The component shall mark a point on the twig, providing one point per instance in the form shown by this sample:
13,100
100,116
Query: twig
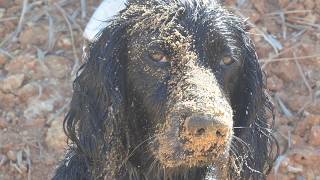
302,74
303,21
288,12
266,62
6,53
27,151
291,58
72,37
24,10
8,19
283,25
51,37
283,107
83,9
17,168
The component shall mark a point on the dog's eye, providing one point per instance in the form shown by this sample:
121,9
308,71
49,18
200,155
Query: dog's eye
227,60
158,56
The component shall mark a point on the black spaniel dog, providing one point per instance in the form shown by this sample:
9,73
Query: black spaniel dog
171,90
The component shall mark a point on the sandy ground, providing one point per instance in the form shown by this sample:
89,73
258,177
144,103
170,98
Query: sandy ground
40,50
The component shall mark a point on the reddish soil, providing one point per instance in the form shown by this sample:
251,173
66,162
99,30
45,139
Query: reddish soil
39,55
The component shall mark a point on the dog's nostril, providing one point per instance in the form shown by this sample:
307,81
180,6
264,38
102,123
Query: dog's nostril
200,131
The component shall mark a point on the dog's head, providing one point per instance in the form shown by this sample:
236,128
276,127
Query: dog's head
177,79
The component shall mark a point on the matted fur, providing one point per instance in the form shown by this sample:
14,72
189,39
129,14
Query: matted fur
113,121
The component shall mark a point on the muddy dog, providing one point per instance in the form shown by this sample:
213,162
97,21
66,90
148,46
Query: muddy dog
172,90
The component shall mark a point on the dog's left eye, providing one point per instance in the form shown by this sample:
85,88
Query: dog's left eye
227,60
157,56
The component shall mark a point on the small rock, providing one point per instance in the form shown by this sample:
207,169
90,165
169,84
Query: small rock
283,3
312,18
3,123
38,108
50,160
260,6
287,71
7,101
28,92
11,83
20,64
35,122
55,137
309,4
23,167
2,12
314,136
3,159
36,35
274,83
5,3
11,155
317,8
65,43
3,60
58,66
295,169
28,65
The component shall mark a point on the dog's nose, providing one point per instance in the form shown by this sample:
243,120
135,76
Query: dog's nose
204,126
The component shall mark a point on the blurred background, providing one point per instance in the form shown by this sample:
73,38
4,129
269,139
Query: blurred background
41,48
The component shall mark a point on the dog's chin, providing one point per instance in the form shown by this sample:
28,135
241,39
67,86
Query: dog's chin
186,159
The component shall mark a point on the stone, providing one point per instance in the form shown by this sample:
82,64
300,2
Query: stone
11,155
260,6
7,101
55,137
314,138
28,92
283,3
287,71
12,82
28,65
274,83
3,60
309,4
36,35
35,122
5,3
3,123
58,66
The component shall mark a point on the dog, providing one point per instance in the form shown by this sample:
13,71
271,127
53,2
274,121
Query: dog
171,89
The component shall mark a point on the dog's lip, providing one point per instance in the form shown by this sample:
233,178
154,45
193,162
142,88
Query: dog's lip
191,158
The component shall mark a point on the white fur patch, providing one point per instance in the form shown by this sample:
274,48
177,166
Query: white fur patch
106,10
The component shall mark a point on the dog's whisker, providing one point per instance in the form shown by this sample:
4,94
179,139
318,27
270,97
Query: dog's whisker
135,149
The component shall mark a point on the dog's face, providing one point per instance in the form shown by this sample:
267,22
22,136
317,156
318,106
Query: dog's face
184,78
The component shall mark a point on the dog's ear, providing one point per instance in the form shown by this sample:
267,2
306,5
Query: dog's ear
251,114
98,99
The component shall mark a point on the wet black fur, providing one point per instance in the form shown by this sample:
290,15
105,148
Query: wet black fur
101,121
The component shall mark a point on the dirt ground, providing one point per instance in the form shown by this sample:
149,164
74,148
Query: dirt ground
40,50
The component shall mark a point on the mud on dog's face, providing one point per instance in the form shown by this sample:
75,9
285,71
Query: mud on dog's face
184,81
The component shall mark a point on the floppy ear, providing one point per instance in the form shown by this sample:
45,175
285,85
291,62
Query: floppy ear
96,111
258,142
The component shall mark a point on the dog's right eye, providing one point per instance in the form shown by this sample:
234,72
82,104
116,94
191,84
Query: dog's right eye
227,61
158,56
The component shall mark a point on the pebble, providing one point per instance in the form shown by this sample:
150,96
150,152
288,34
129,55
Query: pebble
11,155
